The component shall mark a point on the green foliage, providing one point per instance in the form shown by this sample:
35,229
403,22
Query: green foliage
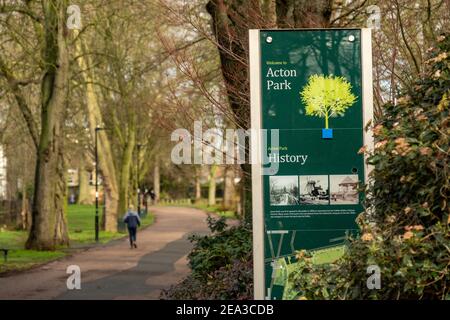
406,233
221,249
12,239
216,225
221,265
327,96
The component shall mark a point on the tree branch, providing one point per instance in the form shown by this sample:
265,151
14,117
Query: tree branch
22,10
13,85
402,31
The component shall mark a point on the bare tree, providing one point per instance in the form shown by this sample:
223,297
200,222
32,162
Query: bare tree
49,227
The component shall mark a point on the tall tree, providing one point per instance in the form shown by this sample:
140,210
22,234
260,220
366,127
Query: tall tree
84,195
212,185
45,22
156,181
229,188
95,120
49,226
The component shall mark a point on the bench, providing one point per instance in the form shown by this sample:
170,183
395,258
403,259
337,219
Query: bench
5,253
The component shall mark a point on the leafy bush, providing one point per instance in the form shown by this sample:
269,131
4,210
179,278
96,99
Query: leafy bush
221,264
406,231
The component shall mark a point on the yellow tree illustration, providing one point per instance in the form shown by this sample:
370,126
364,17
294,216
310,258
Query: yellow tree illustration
327,96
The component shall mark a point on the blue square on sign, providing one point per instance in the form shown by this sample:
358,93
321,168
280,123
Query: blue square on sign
327,133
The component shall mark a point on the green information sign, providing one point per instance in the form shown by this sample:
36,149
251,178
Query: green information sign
311,94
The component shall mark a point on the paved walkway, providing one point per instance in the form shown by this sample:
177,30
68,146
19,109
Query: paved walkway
114,271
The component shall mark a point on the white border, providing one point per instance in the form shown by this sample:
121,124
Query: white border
257,188
367,92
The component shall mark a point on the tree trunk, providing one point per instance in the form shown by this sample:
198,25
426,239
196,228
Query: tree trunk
156,181
49,228
303,13
231,35
24,213
212,186
84,194
229,189
246,192
198,187
125,170
61,227
105,156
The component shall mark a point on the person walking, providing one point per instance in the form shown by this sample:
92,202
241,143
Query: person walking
132,221
153,196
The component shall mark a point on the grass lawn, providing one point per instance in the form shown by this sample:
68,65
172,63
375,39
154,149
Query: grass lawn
328,255
217,209
80,219
25,259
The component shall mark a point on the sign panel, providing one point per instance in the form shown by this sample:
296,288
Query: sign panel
314,87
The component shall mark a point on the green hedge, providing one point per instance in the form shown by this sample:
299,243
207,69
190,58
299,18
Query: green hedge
221,263
406,233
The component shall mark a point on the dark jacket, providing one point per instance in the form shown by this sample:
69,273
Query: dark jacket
132,219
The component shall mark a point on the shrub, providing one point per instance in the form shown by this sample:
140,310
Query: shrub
221,265
406,231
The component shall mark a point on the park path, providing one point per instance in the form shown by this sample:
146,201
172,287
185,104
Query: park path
114,271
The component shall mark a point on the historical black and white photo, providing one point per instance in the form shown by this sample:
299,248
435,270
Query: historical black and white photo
344,189
314,189
283,190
